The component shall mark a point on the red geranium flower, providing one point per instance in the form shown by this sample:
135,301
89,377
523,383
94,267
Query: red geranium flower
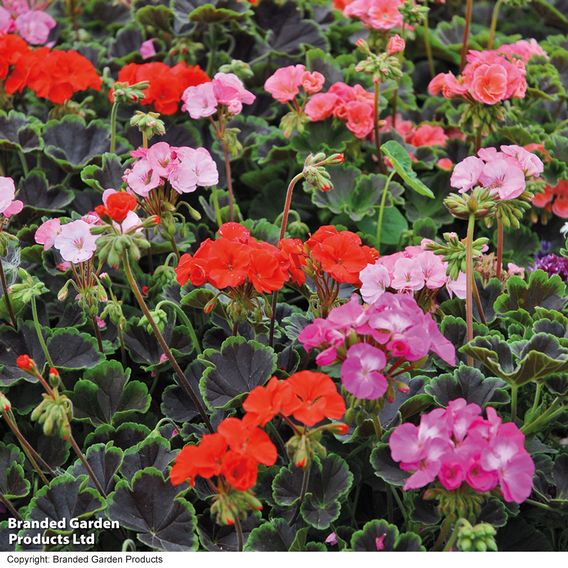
119,204
315,398
264,403
240,470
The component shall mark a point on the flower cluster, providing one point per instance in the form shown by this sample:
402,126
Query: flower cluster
417,136
234,453
410,270
119,207
74,240
352,105
286,83
457,445
32,24
9,205
183,168
235,259
380,15
504,172
338,254
166,84
554,199
373,341
489,77
553,264
225,90
52,74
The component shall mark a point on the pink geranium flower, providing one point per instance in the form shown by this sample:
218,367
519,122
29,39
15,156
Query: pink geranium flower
200,101
312,82
147,49
503,178
75,242
34,26
9,206
195,168
47,232
361,372
466,174
395,45
142,178
321,106
230,92
284,84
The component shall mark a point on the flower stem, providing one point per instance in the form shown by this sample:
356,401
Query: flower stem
239,533
465,48
499,261
186,321
229,176
97,334
536,397
303,491
493,26
6,295
514,396
376,130
39,334
382,210
26,447
113,114
10,507
478,301
469,283
218,217
86,465
182,380
24,163
283,226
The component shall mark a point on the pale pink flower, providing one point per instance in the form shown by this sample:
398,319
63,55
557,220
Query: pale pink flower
466,174
147,49
407,275
196,168
8,205
312,82
75,242
331,539
375,280
530,163
34,26
432,268
200,101
6,22
458,286
142,178
284,84
503,178
161,158
395,45
321,106
46,233
230,92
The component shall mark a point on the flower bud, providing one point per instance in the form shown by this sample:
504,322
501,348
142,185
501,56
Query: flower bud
148,123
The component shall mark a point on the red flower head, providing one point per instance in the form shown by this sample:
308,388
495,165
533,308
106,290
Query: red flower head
315,398
203,460
119,204
293,251
264,403
245,438
194,268
240,470
228,263
234,232
12,49
26,363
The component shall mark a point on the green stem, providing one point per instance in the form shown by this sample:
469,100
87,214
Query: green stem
86,465
547,416
399,502
493,26
239,533
218,217
514,397
469,283
6,295
182,379
39,334
97,334
499,261
303,491
229,176
382,210
478,303
4,500
451,540
186,321
376,130
24,163
127,545
465,41
113,115
536,397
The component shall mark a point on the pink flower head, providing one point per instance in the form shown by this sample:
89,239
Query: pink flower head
360,372
524,49
147,49
433,269
321,106
230,92
530,163
375,280
284,84
395,45
8,205
466,174
503,178
200,101
489,84
360,118
378,14
162,158
47,232
407,275
196,168
142,178
75,242
34,26
445,164
428,135
6,22
312,82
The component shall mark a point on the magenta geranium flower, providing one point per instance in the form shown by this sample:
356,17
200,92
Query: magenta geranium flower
361,372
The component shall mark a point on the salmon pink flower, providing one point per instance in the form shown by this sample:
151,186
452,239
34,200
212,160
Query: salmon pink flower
321,106
395,45
312,82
